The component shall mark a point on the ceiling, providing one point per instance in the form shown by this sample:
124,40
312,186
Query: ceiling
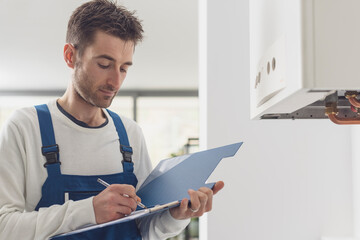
32,36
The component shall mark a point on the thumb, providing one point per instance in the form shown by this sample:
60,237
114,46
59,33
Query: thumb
218,186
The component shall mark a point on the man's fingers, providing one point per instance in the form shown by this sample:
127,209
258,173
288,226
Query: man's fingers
127,194
184,205
117,212
209,193
128,202
199,201
116,201
218,186
124,210
123,189
195,201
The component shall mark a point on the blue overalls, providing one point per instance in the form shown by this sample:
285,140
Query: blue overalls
81,187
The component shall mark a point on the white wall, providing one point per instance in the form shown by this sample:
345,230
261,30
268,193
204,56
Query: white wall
290,179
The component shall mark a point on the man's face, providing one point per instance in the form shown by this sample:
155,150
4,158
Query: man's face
102,69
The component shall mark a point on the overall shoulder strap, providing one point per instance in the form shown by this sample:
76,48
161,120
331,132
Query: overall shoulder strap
125,148
49,147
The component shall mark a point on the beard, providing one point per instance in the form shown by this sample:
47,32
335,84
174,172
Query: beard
85,88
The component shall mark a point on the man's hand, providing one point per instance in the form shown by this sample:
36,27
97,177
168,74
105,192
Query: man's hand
112,203
201,202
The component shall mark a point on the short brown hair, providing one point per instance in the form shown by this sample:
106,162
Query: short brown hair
106,16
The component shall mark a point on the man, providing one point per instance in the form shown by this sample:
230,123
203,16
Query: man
51,155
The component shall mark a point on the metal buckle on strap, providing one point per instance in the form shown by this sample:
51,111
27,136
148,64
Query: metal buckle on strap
126,152
51,154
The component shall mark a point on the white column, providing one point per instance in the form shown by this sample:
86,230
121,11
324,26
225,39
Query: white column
355,150
203,230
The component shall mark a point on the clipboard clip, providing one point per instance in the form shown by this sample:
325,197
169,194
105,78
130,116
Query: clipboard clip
163,206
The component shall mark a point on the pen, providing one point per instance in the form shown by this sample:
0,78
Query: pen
125,195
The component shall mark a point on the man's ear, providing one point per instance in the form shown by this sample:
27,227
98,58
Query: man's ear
69,55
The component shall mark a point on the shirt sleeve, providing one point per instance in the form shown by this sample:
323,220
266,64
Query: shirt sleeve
162,225
17,220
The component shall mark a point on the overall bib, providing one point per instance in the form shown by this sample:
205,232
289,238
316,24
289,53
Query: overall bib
75,187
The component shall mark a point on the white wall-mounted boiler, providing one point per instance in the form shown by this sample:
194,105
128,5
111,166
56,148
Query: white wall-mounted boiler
304,58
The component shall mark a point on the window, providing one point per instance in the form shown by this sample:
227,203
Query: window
167,123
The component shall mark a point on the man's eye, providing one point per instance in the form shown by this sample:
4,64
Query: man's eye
123,70
103,66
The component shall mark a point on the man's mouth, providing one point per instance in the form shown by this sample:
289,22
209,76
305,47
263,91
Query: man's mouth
107,92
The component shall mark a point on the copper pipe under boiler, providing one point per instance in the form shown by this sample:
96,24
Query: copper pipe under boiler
343,121
353,101
331,111
351,96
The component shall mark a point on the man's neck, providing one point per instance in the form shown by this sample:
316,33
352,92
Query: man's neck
81,110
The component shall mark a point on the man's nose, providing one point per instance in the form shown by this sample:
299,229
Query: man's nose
116,79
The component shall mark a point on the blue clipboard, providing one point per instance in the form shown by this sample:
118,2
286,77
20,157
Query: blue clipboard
169,182
172,178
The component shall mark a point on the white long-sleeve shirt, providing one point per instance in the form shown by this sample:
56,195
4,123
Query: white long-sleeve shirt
83,151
